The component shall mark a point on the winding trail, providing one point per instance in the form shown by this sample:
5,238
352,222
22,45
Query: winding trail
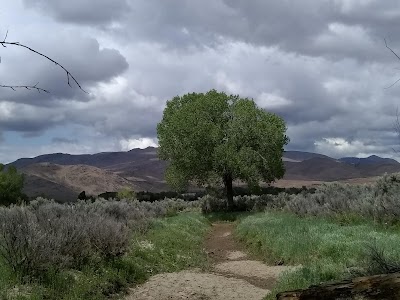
234,274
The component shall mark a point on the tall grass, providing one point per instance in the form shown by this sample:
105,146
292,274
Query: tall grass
325,249
172,244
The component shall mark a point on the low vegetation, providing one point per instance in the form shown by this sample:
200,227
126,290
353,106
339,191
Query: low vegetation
95,249
325,249
378,202
338,232
344,202
91,250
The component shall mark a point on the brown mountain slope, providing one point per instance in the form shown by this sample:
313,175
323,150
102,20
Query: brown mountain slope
329,169
53,180
35,186
322,169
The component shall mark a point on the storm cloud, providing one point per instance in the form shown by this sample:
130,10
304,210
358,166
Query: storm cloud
320,64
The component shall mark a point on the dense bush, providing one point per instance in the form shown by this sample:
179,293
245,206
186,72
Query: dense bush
46,235
211,204
11,184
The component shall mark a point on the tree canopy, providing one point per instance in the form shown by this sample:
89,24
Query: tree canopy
215,137
11,184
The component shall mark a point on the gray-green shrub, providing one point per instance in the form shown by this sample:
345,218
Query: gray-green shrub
253,203
47,235
380,202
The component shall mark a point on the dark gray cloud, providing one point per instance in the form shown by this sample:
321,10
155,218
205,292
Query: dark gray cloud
58,140
81,55
89,12
322,65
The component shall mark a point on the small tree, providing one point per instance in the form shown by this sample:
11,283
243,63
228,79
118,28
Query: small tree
213,137
11,184
126,193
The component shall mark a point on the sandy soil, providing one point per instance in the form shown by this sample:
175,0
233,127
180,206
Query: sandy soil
193,285
233,275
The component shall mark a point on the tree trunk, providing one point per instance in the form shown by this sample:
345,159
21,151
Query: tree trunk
382,287
229,190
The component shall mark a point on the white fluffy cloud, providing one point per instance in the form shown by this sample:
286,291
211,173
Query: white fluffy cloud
141,143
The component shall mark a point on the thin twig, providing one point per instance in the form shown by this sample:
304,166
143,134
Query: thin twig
398,57
391,49
4,43
28,87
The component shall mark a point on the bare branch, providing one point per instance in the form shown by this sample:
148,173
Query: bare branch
28,87
391,49
70,77
398,57
396,126
392,84
5,37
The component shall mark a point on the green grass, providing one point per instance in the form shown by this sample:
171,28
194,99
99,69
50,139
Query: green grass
227,216
172,244
327,250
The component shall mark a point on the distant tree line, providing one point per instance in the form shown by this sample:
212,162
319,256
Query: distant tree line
237,191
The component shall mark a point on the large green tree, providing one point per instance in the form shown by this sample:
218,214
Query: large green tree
11,184
212,136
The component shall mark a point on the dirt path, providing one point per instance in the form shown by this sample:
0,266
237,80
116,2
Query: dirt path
233,275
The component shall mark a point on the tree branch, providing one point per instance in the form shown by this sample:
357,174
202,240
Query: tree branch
70,77
28,87
398,57
396,127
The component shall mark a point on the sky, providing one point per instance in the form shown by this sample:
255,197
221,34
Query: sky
320,64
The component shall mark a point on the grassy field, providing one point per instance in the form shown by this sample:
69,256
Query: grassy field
171,244
327,250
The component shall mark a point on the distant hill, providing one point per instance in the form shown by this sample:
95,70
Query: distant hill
100,160
65,181
321,169
35,186
300,155
64,176
373,159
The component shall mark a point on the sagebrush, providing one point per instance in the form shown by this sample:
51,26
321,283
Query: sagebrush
379,202
46,235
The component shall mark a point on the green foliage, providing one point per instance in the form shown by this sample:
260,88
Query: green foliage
126,193
325,249
172,244
205,137
11,184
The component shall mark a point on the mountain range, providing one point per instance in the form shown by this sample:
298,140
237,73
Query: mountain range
64,176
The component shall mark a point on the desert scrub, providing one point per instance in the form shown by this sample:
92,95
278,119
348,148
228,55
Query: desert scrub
342,202
85,250
253,203
326,250
379,202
